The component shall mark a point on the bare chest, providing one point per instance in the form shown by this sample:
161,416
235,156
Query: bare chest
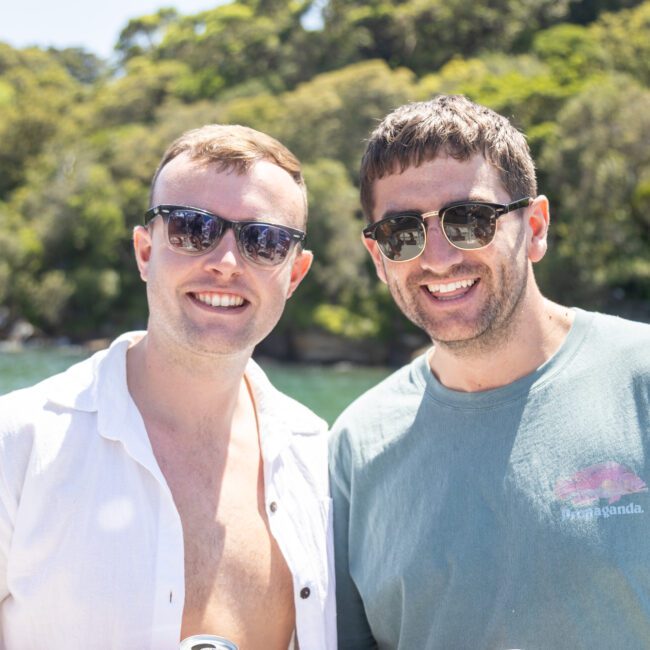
237,584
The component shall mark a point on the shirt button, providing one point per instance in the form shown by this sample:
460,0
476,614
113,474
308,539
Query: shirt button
273,506
305,592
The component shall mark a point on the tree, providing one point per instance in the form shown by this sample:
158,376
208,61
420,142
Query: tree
36,93
84,66
623,36
135,96
598,168
143,34
330,116
425,34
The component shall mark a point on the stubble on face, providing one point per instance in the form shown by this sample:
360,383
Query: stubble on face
496,321
173,279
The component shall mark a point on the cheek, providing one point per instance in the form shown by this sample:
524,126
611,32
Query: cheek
166,268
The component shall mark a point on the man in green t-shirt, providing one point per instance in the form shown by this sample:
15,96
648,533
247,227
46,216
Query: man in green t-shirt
493,493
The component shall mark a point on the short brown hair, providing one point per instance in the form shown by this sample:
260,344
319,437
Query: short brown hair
231,147
450,125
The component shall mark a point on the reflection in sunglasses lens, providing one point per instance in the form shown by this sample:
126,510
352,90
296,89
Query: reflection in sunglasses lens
265,244
402,238
469,226
192,231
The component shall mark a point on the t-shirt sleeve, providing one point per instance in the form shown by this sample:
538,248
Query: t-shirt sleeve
352,624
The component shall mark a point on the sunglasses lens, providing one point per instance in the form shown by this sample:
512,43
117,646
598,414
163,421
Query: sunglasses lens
265,244
401,238
192,232
469,226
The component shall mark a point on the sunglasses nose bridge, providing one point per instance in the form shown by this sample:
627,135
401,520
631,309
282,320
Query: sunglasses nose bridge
225,254
439,253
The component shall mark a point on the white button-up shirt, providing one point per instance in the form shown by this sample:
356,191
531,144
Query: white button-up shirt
91,543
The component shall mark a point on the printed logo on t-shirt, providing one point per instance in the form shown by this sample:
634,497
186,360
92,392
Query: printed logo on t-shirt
607,481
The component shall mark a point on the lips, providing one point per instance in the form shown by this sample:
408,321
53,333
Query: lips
451,290
219,299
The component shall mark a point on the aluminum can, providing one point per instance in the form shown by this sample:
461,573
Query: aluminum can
207,642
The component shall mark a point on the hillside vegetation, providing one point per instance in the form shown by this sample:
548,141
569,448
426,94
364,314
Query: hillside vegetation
80,139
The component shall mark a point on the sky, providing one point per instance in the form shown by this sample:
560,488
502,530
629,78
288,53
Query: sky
94,26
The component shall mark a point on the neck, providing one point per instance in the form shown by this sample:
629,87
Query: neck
533,336
178,390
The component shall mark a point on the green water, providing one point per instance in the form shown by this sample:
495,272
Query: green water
327,390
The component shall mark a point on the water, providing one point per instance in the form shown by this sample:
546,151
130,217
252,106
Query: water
327,390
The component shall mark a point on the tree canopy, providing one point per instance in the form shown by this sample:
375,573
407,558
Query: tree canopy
82,137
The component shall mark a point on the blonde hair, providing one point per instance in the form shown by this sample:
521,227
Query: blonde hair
232,147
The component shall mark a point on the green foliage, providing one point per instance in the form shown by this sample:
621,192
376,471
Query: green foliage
343,322
587,11
425,34
599,167
223,46
35,93
571,52
80,141
625,37
81,65
334,233
329,116
141,35
135,96
44,302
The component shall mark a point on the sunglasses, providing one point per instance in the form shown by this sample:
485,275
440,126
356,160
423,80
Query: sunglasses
193,231
468,225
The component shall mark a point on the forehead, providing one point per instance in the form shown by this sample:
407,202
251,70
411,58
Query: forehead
437,182
265,191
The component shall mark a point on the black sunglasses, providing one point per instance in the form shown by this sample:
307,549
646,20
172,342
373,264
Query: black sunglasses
467,225
194,231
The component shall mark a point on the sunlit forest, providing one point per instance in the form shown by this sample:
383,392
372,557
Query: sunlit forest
80,138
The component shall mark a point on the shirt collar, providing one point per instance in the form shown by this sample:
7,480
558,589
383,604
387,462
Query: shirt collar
99,384
84,385
279,416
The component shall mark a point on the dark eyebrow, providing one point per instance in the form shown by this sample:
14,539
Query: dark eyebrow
395,213
470,199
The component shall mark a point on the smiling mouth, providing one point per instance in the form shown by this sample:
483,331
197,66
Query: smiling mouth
214,299
451,290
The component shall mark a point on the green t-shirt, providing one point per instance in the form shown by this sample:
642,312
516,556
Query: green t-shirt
512,518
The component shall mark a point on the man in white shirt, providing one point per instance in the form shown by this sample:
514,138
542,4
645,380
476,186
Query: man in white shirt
163,488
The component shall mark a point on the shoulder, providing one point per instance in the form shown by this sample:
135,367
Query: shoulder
618,338
381,414
611,323
613,357
32,425
292,437
73,390
23,408
272,403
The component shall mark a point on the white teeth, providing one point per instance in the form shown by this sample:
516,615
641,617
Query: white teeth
219,299
451,286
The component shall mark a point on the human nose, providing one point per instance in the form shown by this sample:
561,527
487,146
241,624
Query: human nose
225,258
438,255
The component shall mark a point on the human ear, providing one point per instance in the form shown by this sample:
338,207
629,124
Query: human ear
538,223
299,268
377,258
142,249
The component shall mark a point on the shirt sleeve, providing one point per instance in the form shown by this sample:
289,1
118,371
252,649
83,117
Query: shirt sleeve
352,624
6,527
14,456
